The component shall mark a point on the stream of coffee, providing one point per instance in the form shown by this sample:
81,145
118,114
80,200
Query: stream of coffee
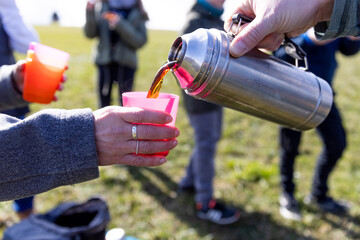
158,79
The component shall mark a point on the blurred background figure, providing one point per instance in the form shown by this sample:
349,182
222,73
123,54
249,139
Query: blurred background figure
206,120
322,62
119,26
55,18
15,36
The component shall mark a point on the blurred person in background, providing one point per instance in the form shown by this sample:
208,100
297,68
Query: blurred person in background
206,120
119,26
322,62
15,36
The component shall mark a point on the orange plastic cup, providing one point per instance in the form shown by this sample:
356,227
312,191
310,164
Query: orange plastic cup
44,70
165,102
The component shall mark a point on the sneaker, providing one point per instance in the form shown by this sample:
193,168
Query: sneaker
217,213
327,204
289,207
115,234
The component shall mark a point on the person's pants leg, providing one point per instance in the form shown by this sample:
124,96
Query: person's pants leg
201,169
333,136
125,80
289,144
105,81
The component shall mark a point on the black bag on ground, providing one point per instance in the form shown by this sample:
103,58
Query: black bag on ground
68,221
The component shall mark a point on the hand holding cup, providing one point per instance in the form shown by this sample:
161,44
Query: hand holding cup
115,141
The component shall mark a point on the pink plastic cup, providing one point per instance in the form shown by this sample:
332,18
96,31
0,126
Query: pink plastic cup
44,70
165,102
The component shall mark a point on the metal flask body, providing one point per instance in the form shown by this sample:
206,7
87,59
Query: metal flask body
257,83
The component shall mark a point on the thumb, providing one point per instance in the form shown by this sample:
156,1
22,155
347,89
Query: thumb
249,37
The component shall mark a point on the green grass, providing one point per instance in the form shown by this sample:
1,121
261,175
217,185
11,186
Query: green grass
144,202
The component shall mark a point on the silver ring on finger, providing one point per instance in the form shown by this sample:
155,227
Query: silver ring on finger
134,132
137,147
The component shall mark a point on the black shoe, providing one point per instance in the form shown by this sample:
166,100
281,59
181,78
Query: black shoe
327,204
289,207
217,213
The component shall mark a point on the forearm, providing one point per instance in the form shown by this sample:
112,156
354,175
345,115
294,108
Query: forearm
90,28
48,149
9,97
345,21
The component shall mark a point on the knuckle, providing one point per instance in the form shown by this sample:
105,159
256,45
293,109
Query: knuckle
139,115
253,36
122,131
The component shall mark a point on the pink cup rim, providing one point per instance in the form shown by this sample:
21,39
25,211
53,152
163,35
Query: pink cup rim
50,55
161,95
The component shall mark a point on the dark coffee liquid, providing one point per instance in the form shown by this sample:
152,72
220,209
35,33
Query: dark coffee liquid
158,80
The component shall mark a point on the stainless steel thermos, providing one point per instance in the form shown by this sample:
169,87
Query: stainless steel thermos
256,83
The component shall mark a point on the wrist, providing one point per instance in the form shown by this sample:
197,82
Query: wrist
325,9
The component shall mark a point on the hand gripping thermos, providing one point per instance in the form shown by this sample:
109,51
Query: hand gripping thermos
256,83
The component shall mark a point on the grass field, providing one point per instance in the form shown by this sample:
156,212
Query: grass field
144,201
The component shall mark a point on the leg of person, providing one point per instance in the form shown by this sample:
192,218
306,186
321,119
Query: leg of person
333,136
24,207
104,85
125,80
187,182
203,168
289,144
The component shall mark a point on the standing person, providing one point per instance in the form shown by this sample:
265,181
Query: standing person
120,28
201,170
322,62
15,35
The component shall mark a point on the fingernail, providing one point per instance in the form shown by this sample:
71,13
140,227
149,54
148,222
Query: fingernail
163,160
174,143
177,132
168,119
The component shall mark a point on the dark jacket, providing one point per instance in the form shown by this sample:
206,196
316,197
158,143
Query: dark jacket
345,21
7,58
131,31
6,55
200,17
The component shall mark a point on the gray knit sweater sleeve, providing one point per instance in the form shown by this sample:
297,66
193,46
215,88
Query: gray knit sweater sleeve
46,150
345,21
9,98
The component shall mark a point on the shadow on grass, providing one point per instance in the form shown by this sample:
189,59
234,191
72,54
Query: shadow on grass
350,225
250,226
